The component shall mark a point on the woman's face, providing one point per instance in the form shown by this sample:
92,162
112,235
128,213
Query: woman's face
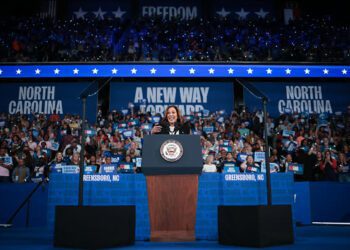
59,157
319,155
250,159
171,115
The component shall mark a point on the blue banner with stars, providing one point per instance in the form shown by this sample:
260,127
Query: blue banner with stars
92,9
173,70
243,10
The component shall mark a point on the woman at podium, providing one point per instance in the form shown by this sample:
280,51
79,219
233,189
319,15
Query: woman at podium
172,123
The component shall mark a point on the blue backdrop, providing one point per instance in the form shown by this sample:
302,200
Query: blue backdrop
314,97
154,97
46,97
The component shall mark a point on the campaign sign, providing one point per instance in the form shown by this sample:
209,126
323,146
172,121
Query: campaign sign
57,168
36,133
244,132
154,119
274,167
137,161
309,97
115,158
230,168
123,125
188,118
38,177
252,169
90,132
70,169
345,169
226,148
7,160
290,146
205,113
55,146
296,168
259,156
125,167
38,97
146,126
287,133
208,129
108,169
189,97
133,123
242,157
90,169
128,133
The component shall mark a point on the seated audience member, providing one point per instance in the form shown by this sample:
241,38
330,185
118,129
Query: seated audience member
249,165
21,173
209,166
4,170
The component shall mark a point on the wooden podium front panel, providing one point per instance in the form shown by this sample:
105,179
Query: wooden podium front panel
172,201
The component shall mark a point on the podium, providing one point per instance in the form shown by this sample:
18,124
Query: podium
172,164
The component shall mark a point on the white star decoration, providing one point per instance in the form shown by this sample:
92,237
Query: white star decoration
114,71
211,71
325,71
172,71
133,71
242,14
75,71
230,71
192,71
18,72
99,14
269,71
288,71
250,71
95,71
56,71
223,12
0,71
153,71
119,13
307,72
344,71
261,13
80,13
37,71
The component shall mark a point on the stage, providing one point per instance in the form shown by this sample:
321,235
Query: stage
307,237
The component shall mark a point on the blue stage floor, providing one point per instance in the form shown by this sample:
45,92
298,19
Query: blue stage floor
308,237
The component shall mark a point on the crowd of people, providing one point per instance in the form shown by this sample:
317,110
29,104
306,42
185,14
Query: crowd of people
33,146
308,39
